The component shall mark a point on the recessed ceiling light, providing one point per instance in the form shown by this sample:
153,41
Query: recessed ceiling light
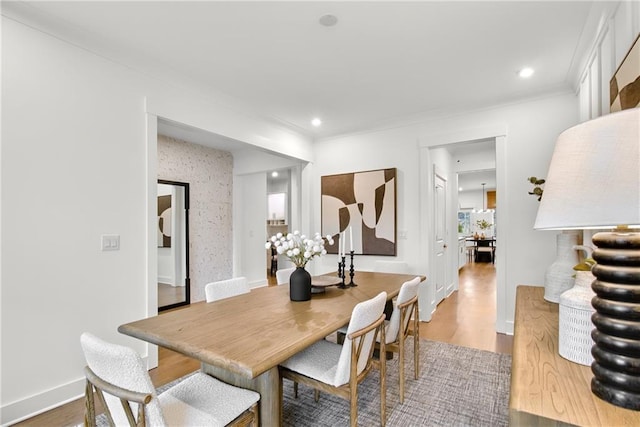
316,122
274,174
526,72
459,188
328,20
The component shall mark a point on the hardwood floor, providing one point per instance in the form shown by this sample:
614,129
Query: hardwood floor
168,294
466,318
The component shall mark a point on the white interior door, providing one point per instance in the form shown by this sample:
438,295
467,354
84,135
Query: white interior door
440,218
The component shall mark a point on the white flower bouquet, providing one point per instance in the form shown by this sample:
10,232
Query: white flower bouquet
299,248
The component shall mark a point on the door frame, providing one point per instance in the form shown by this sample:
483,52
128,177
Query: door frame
438,174
184,245
426,142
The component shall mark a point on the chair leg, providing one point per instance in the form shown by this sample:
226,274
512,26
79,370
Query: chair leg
89,406
383,383
295,389
401,366
316,395
416,355
353,421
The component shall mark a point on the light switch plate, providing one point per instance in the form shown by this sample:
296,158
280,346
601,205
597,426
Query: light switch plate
110,242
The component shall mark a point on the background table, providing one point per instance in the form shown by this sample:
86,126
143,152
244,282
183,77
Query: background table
242,339
483,249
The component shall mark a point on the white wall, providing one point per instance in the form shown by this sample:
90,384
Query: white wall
249,218
363,152
80,121
470,199
531,130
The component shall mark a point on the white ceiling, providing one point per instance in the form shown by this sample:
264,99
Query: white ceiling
384,60
472,181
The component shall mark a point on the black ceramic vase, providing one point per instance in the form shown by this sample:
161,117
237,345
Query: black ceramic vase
300,285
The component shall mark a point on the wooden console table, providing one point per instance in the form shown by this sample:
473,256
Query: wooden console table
546,389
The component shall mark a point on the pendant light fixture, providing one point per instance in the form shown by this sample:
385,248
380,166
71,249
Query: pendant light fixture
483,199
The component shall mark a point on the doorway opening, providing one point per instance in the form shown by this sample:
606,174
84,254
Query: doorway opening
477,226
278,215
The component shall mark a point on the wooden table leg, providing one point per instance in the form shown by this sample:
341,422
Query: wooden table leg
267,384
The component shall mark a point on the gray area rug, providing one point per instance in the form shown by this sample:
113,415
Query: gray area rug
458,386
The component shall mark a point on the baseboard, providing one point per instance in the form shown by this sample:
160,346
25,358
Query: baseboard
31,406
425,317
258,284
510,327
166,280
36,404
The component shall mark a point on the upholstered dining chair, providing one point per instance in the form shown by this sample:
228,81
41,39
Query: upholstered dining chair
120,380
282,275
228,288
338,369
397,329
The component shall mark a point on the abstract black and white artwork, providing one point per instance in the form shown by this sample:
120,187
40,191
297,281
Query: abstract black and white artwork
624,87
360,207
164,221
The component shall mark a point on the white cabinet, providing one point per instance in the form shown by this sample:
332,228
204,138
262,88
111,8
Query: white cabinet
462,252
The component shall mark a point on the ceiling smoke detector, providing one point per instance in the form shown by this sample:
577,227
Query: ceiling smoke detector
328,20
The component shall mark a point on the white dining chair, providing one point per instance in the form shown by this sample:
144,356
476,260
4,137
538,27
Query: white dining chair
228,288
338,369
282,275
119,379
397,329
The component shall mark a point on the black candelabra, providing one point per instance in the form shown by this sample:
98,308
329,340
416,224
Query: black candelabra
341,272
351,271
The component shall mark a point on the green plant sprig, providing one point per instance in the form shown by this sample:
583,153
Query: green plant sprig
585,265
483,224
537,189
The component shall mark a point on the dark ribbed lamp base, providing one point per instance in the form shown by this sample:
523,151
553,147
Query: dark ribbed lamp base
616,353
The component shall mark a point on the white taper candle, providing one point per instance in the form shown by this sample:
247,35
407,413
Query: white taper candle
351,238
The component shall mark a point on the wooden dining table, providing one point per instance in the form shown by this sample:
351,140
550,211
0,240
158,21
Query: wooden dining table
241,340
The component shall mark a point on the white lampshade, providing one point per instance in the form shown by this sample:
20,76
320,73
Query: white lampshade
594,176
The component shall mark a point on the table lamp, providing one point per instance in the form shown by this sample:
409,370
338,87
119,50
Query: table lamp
594,183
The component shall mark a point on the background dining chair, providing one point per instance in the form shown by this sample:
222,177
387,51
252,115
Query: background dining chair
221,289
338,369
485,247
282,275
397,329
120,379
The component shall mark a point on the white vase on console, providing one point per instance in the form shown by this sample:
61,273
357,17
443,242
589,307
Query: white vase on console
559,276
575,326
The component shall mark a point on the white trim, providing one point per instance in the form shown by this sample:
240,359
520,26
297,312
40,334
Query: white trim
500,257
39,403
473,134
498,132
152,250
